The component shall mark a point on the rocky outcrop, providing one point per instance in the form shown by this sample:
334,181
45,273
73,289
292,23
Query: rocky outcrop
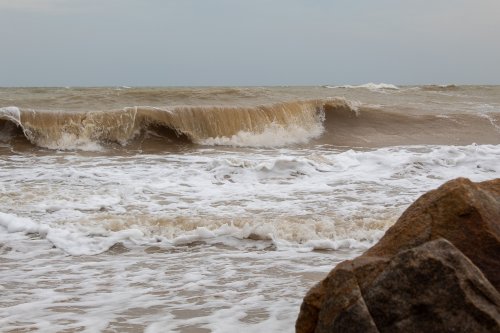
436,270
465,213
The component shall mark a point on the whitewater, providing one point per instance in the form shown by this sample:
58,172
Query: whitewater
213,209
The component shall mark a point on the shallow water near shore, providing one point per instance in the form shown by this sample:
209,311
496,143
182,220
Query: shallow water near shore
197,288
213,209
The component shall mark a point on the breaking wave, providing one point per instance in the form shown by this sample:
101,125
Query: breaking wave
335,121
273,125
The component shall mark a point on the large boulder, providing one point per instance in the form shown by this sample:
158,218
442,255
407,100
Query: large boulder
422,275
465,213
430,288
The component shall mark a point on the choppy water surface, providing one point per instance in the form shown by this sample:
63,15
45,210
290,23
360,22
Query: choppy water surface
213,209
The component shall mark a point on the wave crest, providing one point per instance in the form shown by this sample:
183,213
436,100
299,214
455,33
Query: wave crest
334,121
267,125
369,86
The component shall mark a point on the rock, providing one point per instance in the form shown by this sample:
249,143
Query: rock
430,288
465,213
414,280
433,288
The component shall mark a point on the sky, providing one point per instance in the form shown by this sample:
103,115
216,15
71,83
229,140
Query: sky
248,42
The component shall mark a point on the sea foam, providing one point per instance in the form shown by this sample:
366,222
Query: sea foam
369,86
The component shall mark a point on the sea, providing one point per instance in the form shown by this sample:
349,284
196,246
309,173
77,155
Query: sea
213,209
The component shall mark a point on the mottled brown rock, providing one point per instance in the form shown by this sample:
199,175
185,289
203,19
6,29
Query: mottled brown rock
432,288
464,213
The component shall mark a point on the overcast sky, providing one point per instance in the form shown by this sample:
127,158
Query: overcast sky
248,42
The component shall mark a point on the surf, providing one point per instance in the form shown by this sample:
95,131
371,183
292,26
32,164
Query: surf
194,124
333,121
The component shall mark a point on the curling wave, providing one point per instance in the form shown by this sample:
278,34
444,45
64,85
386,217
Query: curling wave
334,121
209,125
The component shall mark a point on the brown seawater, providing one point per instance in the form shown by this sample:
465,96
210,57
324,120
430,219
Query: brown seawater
213,209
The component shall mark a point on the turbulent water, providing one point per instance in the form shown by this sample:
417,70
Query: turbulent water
213,209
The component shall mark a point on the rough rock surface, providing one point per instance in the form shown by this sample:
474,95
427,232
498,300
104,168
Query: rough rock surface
422,275
465,213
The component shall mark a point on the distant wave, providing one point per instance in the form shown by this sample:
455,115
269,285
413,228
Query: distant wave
369,86
444,87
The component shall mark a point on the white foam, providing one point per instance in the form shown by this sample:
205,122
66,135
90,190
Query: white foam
69,141
219,239
291,199
214,289
73,240
350,243
13,223
369,86
273,135
11,113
